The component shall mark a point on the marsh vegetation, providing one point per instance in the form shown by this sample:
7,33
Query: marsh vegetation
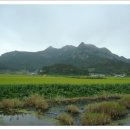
80,102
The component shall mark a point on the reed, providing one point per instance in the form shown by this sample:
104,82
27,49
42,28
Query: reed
36,101
93,119
114,109
11,103
65,118
125,101
72,109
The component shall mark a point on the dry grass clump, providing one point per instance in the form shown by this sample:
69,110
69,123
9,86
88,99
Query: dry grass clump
58,99
125,101
107,96
36,101
100,97
0,105
65,118
33,101
72,109
114,109
41,105
30,101
95,119
11,103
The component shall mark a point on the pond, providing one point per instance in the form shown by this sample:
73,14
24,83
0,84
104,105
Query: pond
33,118
26,118
30,117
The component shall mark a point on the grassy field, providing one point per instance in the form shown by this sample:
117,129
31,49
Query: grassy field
28,79
20,86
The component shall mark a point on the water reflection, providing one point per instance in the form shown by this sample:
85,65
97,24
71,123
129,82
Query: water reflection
25,119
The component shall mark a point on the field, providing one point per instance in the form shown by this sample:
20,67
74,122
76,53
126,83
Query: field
64,95
28,79
20,86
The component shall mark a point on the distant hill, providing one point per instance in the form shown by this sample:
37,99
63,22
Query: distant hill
85,56
63,69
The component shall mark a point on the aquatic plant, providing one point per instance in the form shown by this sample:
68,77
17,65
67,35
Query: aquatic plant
92,119
11,103
41,105
114,109
36,101
125,101
72,109
65,118
30,101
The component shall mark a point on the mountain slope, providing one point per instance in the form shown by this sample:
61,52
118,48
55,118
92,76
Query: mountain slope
63,69
85,56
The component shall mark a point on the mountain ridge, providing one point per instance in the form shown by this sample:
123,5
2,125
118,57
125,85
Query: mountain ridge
86,56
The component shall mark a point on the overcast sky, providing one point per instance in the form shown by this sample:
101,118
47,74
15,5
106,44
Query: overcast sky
35,27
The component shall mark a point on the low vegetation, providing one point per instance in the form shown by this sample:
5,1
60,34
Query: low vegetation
50,91
40,92
89,118
15,79
65,118
125,101
72,109
101,113
114,109
11,103
36,101
101,97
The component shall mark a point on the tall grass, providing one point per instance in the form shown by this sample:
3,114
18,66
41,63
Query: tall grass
11,103
92,119
114,109
36,101
125,101
65,118
72,109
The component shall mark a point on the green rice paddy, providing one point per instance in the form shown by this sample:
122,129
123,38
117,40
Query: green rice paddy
28,79
20,86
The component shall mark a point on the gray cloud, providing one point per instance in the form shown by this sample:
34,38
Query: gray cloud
35,27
